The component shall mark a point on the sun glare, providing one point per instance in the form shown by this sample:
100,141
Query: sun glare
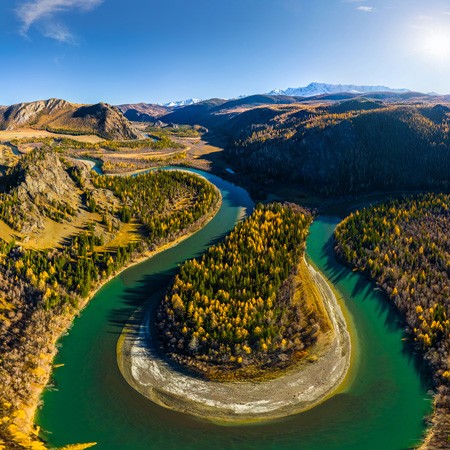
436,44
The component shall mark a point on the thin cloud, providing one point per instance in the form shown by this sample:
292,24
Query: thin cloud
367,9
58,32
43,13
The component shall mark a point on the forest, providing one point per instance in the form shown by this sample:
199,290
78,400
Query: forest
343,149
164,201
230,313
42,290
404,245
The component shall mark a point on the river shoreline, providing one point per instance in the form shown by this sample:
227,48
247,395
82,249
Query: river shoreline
67,321
299,389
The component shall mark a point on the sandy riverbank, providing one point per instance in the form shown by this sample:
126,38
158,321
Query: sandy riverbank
299,389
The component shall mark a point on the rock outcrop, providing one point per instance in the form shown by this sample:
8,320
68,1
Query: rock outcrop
24,114
39,188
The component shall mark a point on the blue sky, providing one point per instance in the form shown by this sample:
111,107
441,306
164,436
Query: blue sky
156,51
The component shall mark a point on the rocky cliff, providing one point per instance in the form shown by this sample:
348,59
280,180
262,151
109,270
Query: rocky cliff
39,187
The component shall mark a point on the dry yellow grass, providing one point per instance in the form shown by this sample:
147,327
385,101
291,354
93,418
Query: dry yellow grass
54,233
8,234
197,147
146,155
308,296
30,132
129,232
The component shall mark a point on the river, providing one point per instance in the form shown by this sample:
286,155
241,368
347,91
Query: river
381,406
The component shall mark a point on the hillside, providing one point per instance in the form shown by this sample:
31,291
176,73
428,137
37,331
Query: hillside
199,113
349,147
119,219
333,144
216,113
144,112
404,246
38,187
64,117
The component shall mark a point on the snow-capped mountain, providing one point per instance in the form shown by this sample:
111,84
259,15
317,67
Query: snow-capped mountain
178,104
314,89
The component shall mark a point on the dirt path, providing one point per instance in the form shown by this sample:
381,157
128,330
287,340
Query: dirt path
299,389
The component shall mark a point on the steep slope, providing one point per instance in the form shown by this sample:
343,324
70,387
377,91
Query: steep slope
61,116
24,114
216,113
256,100
144,112
337,150
109,121
198,114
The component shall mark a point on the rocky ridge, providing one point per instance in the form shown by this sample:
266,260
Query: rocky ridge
63,117
39,187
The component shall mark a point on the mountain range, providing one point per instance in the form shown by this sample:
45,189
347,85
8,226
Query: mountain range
314,89
113,122
180,103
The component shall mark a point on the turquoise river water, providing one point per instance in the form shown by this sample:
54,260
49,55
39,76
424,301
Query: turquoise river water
381,406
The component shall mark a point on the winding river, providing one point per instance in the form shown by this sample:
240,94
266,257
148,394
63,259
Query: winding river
381,406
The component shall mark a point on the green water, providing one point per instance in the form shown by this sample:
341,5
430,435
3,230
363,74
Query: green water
381,408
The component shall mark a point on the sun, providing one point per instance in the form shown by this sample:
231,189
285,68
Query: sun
436,44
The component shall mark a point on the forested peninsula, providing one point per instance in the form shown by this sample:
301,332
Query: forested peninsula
247,308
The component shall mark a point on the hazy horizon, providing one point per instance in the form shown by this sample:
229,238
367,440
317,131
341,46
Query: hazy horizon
88,51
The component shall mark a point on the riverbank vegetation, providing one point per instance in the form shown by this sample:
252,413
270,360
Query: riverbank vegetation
64,144
164,201
42,290
175,131
244,309
404,245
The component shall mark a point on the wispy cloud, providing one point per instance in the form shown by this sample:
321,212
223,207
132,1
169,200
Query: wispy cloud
59,32
44,12
367,9
360,5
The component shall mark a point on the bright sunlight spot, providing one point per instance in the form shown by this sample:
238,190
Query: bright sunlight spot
436,44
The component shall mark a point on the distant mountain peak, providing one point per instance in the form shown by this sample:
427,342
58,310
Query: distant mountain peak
315,88
276,92
180,103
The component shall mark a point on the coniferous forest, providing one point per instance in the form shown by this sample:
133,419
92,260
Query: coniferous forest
42,289
232,308
404,246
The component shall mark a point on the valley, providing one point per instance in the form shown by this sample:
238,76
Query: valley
66,231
